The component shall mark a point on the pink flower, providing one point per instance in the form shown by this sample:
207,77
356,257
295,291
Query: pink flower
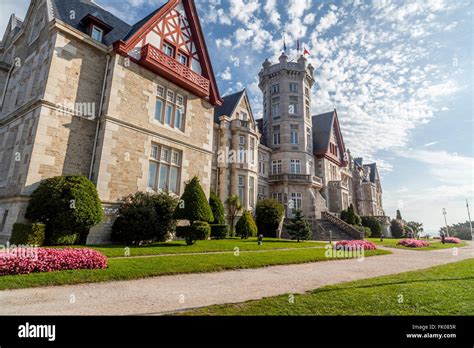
452,240
356,244
28,260
413,243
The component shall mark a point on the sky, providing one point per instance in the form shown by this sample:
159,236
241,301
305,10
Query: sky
399,74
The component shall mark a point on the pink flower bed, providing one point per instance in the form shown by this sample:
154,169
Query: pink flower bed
413,243
452,240
356,244
28,260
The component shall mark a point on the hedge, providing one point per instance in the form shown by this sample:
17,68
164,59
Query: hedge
199,230
219,231
28,234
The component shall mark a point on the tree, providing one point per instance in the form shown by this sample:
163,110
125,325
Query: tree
416,227
460,230
145,217
233,207
217,209
298,228
68,205
396,226
350,216
246,227
399,215
193,205
374,225
269,214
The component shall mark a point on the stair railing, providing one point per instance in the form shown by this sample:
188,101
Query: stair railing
341,224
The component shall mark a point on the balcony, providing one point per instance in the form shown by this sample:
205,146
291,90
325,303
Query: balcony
166,66
338,184
297,178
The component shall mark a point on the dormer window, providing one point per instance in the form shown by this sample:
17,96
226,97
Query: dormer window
97,33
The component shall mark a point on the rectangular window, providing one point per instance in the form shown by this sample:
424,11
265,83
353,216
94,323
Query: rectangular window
165,153
297,200
293,87
160,91
276,167
152,175
159,110
309,142
164,175
278,196
275,88
154,152
241,154
294,134
168,49
251,192
182,58
261,164
295,166
293,106
97,33
169,114
241,188
276,135
276,107
242,140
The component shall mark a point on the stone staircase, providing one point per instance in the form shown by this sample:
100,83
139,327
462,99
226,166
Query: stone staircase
326,230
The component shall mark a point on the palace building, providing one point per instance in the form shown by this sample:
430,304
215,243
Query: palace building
137,108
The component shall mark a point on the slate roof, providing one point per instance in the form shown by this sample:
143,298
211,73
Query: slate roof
373,171
322,127
63,8
228,106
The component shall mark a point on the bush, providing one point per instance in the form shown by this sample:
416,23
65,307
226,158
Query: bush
367,232
246,226
355,244
350,216
66,204
219,231
199,230
298,228
28,260
144,217
374,225
194,205
413,243
453,240
28,234
217,209
62,237
396,227
269,213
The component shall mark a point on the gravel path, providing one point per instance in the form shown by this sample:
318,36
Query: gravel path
166,294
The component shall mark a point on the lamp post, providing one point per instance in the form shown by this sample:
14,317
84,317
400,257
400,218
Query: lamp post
446,221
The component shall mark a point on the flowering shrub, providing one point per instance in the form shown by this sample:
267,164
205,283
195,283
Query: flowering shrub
356,244
413,243
452,240
28,260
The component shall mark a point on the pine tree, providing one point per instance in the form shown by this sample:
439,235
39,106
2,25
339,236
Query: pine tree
193,205
298,228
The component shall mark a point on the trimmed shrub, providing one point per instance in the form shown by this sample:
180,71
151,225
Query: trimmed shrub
199,230
219,231
145,217
367,232
28,234
298,228
246,226
66,204
355,244
194,205
28,260
453,240
397,229
269,213
372,223
413,243
62,237
217,209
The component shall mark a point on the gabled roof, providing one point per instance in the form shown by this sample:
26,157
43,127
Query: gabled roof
229,103
323,124
141,28
62,11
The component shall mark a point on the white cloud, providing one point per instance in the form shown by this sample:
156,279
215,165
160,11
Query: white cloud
226,75
235,60
326,22
271,10
223,42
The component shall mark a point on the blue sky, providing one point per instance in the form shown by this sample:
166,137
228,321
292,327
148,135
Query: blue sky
399,73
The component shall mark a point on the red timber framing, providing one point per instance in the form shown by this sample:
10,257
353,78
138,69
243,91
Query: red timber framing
186,37
340,160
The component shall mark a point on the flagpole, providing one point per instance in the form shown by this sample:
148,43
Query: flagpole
469,216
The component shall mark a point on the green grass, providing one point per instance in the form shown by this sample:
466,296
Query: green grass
133,268
203,246
434,244
442,290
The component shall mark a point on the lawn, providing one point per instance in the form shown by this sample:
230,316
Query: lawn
134,268
203,246
442,290
434,244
